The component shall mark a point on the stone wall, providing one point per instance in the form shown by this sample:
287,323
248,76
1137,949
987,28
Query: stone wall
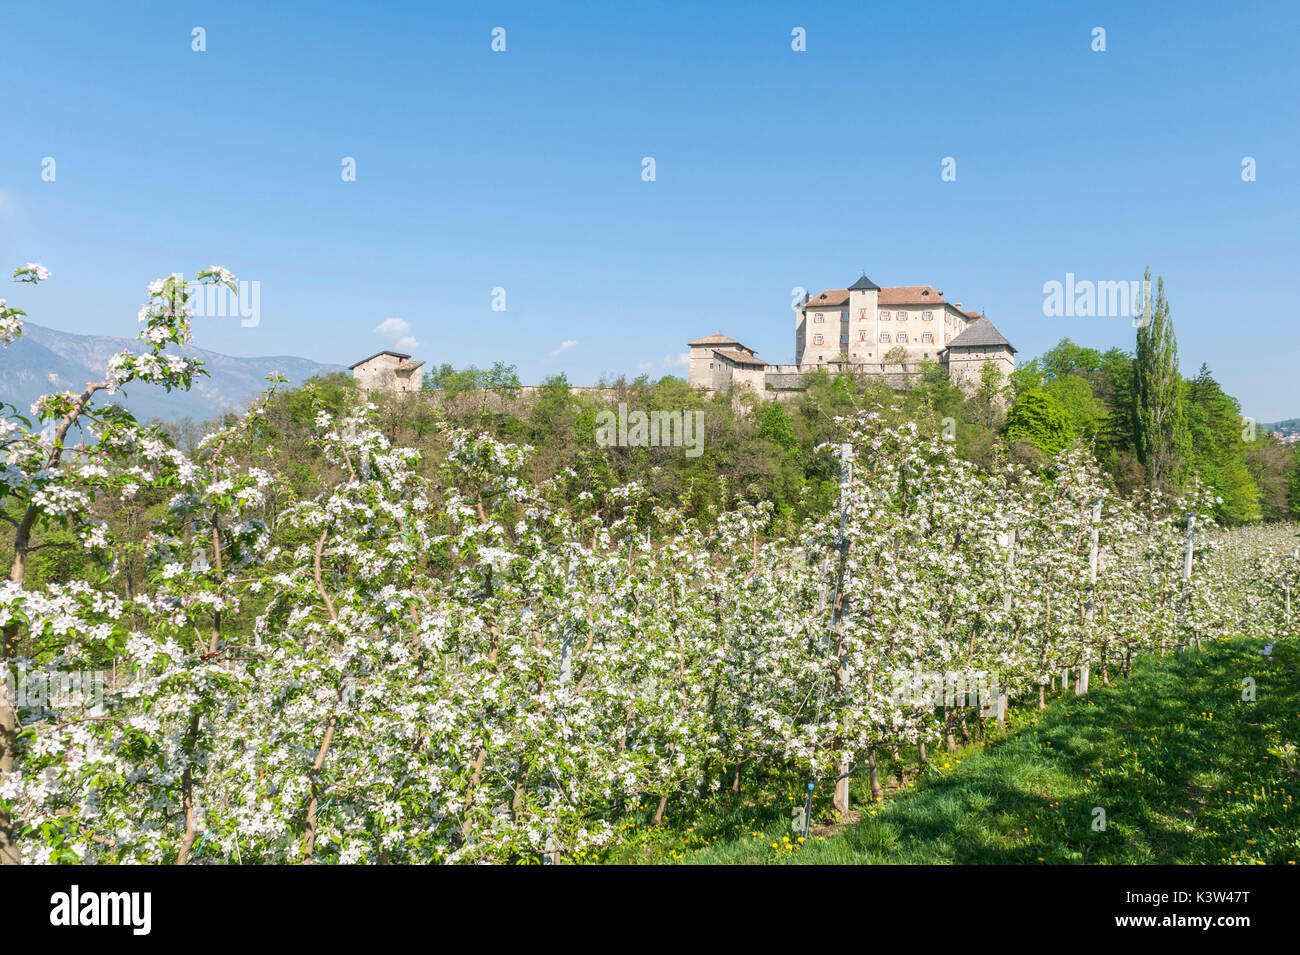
794,377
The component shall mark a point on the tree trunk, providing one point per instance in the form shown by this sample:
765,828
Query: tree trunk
187,798
8,745
877,791
658,819
480,758
9,854
840,801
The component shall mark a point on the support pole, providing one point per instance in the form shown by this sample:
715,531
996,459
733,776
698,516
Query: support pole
841,797
846,668
1187,575
1287,580
1090,606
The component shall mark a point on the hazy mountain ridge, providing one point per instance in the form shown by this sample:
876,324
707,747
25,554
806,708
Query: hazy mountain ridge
46,360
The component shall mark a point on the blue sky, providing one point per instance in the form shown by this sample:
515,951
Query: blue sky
774,169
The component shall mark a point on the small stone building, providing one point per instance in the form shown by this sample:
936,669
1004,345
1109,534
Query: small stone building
388,371
718,362
979,345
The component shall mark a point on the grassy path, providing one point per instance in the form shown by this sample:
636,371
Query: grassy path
1179,763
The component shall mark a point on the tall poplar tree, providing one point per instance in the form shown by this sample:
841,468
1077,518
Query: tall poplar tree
1159,427
1294,496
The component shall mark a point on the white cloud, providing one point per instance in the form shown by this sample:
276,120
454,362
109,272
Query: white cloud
407,343
393,327
682,360
565,346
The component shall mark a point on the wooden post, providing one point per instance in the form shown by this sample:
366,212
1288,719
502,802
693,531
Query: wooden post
846,669
1090,606
566,646
841,791
1187,574
551,855
1008,541
1286,587
1287,579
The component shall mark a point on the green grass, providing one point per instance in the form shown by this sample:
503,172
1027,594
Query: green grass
1178,762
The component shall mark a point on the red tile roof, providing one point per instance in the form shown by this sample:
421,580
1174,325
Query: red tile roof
891,295
909,295
830,298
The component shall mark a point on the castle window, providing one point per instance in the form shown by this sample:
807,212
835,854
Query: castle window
884,337
884,316
902,336
844,315
844,339
819,318
862,335
929,316
817,340
927,337
902,316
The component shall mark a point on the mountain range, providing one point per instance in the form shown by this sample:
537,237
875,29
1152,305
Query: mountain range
45,360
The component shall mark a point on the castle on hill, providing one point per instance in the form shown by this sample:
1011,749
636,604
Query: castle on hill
854,330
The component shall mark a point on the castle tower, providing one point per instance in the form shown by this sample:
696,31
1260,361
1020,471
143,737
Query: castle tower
863,327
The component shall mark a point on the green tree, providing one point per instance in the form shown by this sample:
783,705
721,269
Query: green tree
1112,384
1084,413
447,378
1159,428
1027,377
1295,486
501,377
1271,464
1038,419
1066,358
775,425
1217,448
